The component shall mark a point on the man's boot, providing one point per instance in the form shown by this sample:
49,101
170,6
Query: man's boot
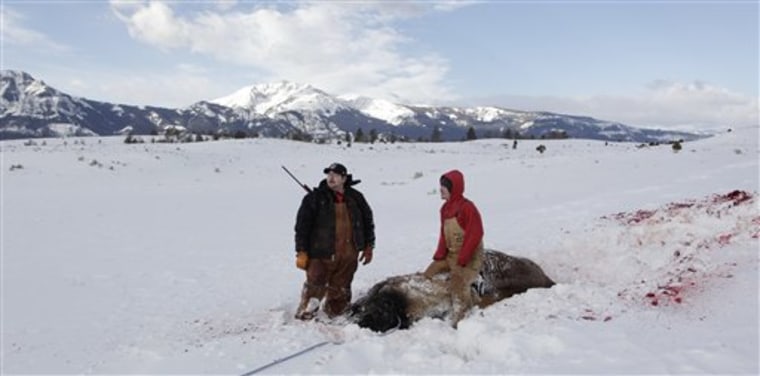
311,297
337,301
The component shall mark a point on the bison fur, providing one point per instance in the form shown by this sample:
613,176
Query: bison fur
399,301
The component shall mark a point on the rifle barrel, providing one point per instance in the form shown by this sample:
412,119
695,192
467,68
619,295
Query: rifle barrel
304,186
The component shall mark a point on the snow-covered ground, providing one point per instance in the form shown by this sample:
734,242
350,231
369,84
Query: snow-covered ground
178,258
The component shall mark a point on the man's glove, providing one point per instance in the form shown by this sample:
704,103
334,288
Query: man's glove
302,260
366,256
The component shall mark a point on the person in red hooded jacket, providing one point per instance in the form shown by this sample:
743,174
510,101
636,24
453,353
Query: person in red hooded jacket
460,245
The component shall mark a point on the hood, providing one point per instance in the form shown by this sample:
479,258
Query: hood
457,183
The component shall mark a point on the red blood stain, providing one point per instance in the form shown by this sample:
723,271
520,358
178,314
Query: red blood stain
682,275
724,239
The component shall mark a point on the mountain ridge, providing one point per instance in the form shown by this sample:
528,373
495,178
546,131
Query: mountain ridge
30,108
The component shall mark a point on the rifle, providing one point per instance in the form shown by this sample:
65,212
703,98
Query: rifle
304,186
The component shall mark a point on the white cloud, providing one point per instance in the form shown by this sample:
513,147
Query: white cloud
225,4
338,47
451,5
13,32
154,23
186,83
664,104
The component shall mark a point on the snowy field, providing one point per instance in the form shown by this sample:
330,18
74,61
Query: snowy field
178,258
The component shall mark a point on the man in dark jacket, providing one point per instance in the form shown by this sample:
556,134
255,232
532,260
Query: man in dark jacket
334,231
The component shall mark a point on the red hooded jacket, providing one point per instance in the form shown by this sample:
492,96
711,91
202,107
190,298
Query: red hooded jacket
467,216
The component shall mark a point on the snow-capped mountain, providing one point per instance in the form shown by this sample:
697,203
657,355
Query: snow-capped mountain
390,112
20,94
275,98
307,109
31,108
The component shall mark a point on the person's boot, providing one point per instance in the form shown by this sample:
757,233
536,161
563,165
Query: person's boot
310,300
457,313
459,309
337,302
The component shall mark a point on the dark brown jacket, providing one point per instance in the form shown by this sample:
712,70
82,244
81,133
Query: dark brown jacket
315,221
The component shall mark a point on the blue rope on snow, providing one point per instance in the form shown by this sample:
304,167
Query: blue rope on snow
291,356
312,347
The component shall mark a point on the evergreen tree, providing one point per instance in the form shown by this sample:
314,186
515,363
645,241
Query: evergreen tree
359,137
436,136
372,135
471,134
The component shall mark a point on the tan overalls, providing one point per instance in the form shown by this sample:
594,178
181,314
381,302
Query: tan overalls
460,277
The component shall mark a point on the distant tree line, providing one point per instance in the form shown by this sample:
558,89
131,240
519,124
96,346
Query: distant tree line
508,133
437,136
180,134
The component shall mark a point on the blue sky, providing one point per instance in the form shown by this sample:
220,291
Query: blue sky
665,64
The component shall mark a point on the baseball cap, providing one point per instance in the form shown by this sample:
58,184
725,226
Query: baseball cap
336,168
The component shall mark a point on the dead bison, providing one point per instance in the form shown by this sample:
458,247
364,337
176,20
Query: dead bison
399,301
